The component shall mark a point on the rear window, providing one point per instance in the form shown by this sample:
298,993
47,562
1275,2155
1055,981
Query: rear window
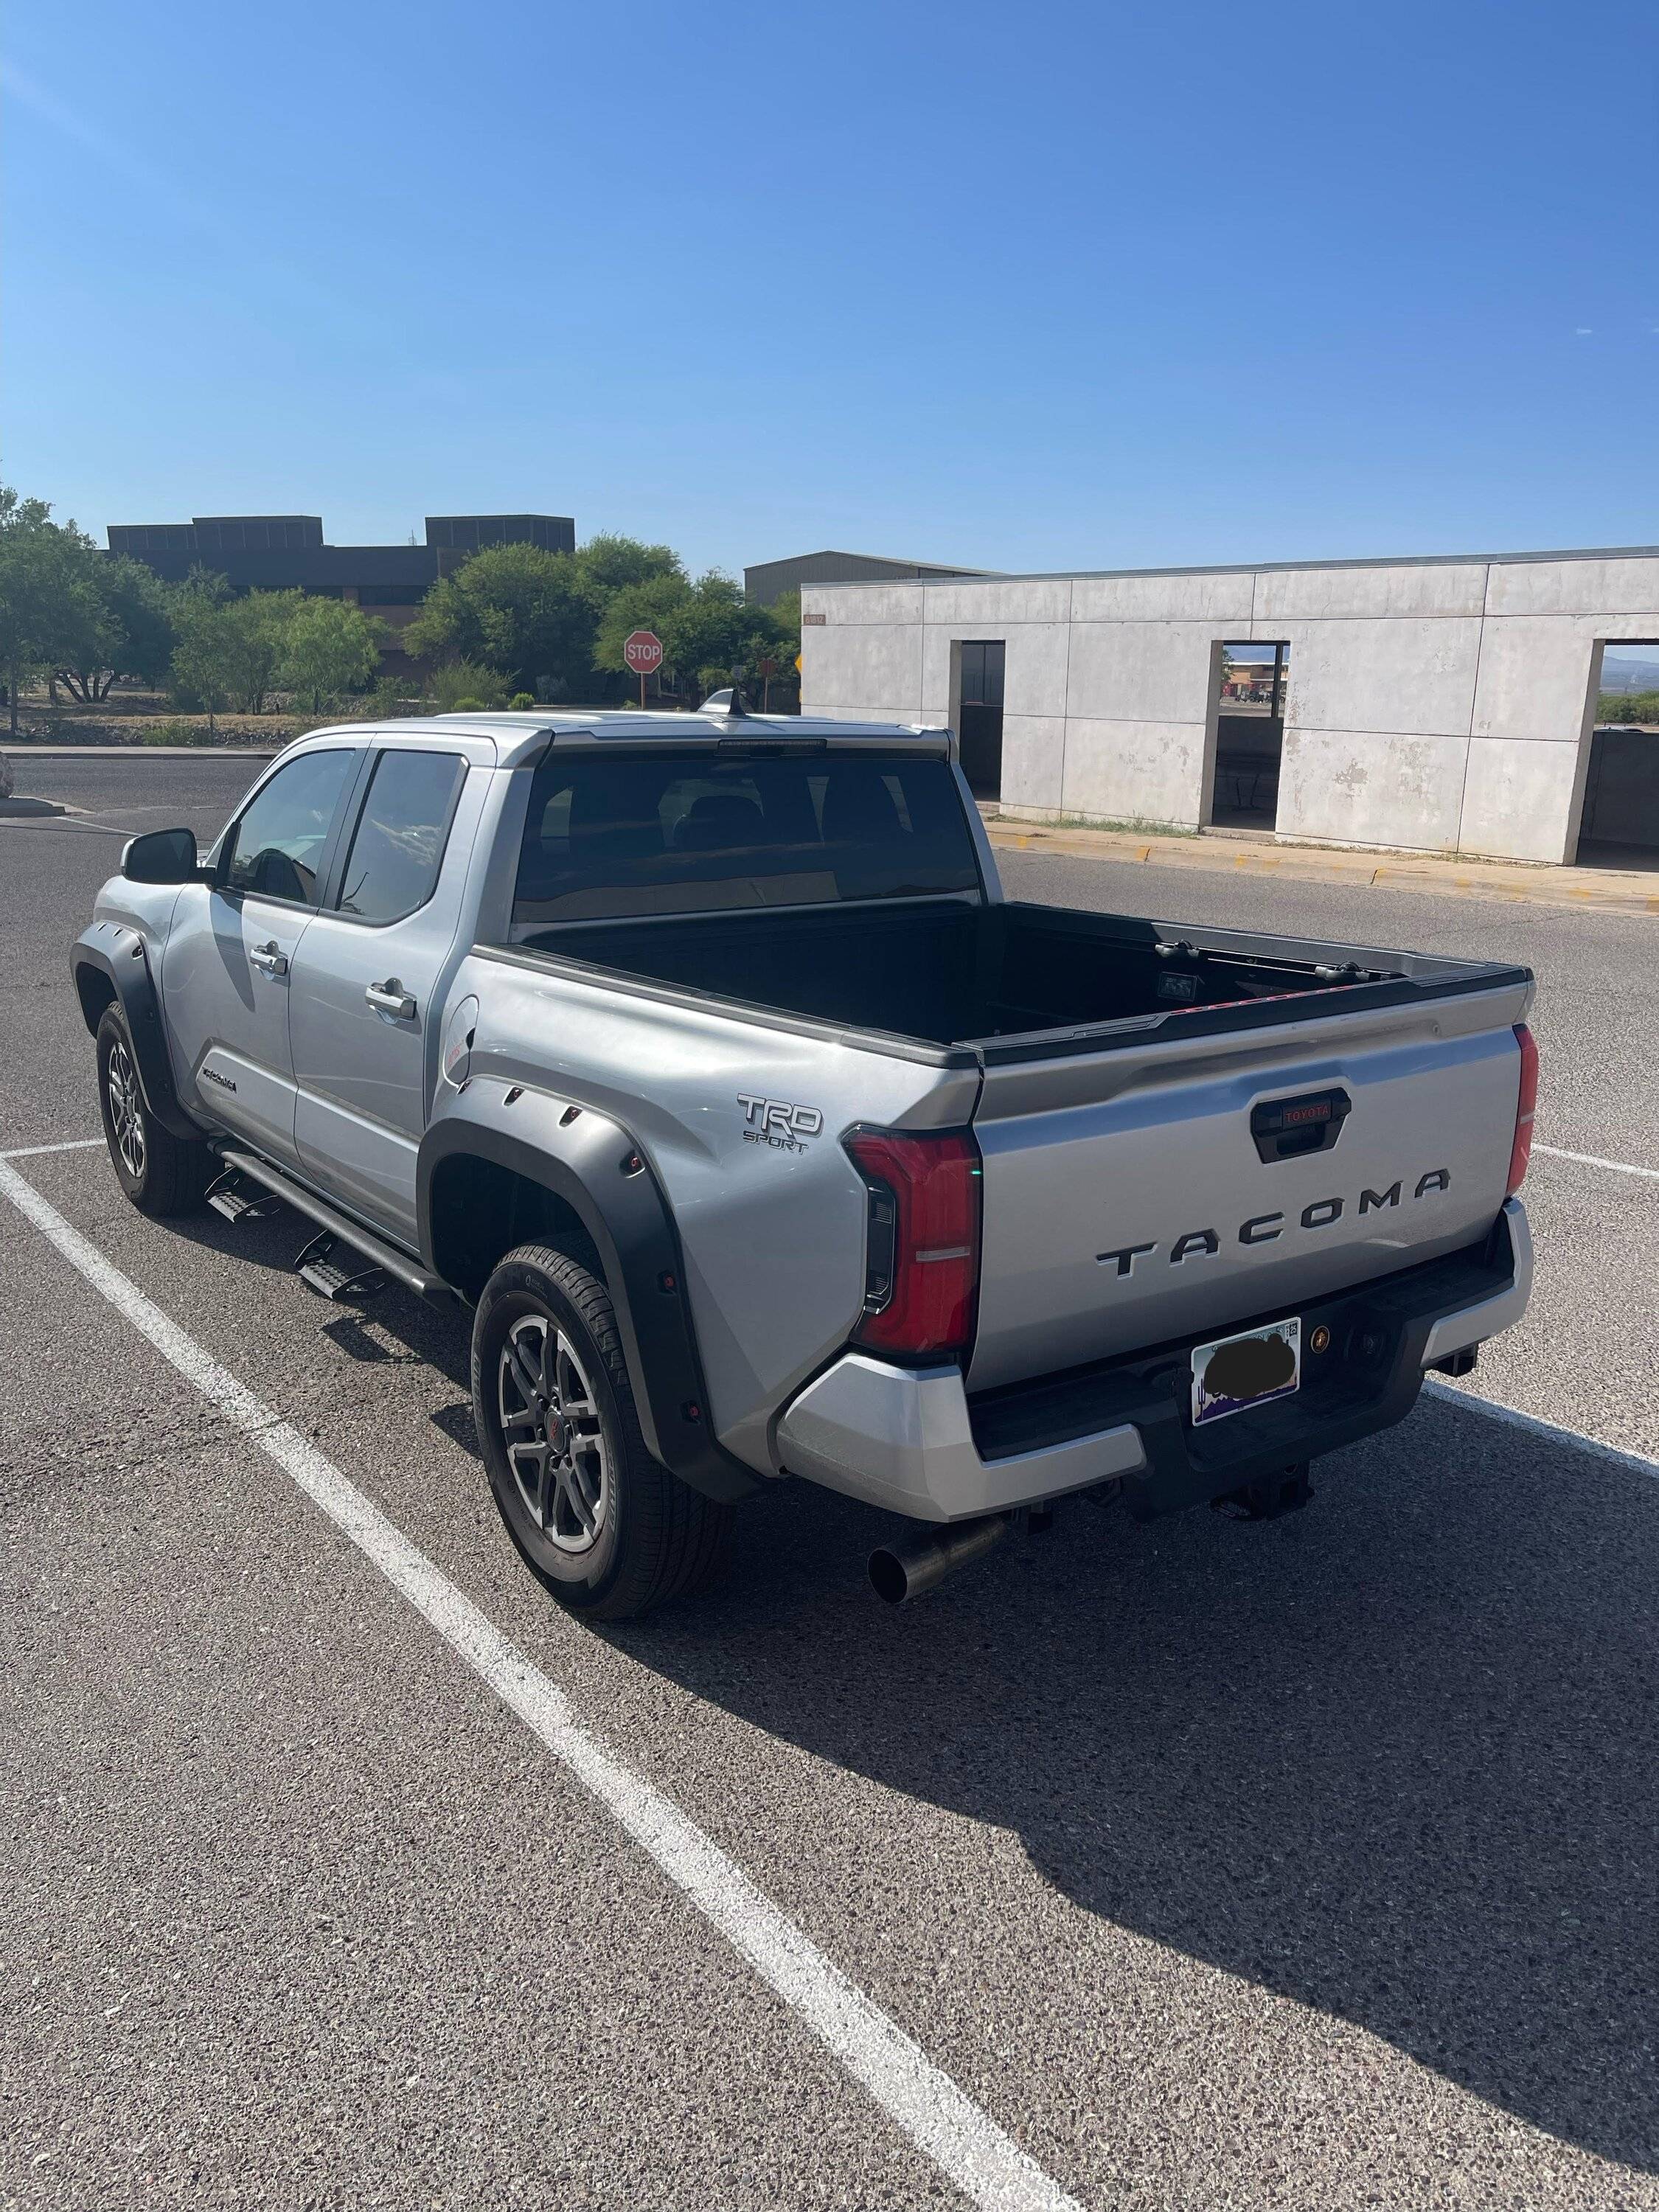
684,832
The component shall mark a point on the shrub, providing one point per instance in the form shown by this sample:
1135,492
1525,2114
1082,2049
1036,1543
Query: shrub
464,687
172,733
1628,706
521,701
389,697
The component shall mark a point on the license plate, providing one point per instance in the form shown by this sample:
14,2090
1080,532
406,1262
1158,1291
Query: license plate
1248,1369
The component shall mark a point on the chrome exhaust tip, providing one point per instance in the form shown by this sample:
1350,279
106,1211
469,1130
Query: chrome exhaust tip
917,1563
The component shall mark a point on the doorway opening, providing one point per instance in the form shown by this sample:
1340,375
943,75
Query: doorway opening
1618,827
1250,683
979,714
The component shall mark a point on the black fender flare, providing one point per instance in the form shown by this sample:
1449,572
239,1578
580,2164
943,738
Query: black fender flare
593,1165
110,950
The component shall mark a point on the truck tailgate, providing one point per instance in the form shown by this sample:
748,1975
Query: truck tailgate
1160,1190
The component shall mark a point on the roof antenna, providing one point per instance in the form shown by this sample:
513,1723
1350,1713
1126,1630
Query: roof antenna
738,708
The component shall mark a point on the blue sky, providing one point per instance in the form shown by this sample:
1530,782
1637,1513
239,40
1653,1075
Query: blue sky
1021,286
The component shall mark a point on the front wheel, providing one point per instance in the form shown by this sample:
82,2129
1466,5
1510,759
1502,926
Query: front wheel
607,1527
161,1172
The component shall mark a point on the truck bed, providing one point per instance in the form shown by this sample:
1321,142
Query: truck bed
1004,981
1122,1066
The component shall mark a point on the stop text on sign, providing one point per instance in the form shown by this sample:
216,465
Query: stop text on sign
642,651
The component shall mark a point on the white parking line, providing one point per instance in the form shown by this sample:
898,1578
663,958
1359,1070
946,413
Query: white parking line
1530,1422
34,1151
957,2135
1590,1160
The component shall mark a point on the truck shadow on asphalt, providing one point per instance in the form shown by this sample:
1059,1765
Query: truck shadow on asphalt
1394,1757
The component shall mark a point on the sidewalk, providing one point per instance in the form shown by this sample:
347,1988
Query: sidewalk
1621,890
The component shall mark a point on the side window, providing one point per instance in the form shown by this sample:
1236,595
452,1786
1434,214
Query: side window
276,847
399,843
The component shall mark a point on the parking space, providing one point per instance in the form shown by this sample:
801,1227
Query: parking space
1309,1863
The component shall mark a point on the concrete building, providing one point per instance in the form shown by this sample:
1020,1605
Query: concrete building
279,552
1445,705
768,580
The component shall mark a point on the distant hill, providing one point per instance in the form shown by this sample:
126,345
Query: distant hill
1623,675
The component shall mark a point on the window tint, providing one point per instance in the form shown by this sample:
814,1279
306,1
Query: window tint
276,847
680,832
398,842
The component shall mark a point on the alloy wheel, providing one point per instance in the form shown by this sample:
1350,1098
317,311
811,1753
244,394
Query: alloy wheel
126,1111
554,1441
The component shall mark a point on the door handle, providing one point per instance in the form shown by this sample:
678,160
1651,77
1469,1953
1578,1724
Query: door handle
271,958
391,997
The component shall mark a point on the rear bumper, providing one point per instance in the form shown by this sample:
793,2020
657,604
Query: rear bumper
910,1439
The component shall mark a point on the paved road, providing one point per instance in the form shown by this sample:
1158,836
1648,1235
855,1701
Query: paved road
1304,1865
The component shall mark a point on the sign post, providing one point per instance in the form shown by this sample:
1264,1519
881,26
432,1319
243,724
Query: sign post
769,669
642,651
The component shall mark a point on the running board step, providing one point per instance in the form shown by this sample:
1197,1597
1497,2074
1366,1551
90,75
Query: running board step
239,1198
329,1264
368,1251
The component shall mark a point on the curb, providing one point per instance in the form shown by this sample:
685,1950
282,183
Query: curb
1609,891
31,810
23,752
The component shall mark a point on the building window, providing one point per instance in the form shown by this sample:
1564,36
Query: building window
1249,682
979,714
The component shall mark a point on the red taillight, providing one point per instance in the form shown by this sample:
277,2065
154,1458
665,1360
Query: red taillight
1525,1105
921,1255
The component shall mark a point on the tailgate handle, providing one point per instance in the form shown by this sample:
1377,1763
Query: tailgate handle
1287,1128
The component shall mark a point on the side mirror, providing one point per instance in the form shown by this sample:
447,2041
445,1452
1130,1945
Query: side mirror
162,856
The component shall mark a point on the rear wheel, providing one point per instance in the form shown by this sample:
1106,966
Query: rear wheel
161,1172
607,1527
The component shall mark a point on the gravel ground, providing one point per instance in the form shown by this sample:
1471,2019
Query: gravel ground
1309,1864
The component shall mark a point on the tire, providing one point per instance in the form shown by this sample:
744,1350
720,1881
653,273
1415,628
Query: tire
609,1530
161,1173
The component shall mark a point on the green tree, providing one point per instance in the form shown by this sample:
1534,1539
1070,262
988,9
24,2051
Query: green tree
784,617
119,621
201,654
142,605
649,605
43,590
709,630
252,633
527,613
612,564
715,633
86,636
1628,706
329,646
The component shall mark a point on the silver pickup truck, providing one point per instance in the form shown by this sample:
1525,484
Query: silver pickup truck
703,1058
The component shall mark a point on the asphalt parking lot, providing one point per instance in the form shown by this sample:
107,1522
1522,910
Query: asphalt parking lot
1306,1864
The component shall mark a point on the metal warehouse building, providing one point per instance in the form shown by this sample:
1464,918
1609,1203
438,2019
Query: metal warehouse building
1445,705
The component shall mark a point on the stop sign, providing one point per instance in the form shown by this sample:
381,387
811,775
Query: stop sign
642,651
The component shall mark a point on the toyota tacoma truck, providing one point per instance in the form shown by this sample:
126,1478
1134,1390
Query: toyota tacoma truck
703,1060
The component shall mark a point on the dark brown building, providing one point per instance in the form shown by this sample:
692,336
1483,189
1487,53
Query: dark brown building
282,552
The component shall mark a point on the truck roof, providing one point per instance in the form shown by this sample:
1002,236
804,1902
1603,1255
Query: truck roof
521,736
